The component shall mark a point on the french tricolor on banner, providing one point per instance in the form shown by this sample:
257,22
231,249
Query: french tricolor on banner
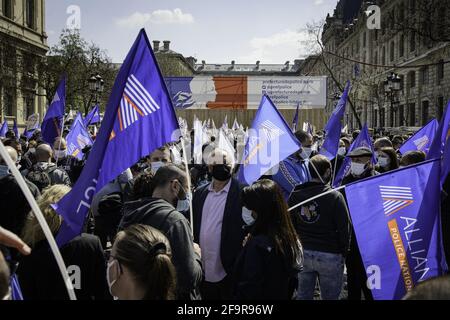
395,199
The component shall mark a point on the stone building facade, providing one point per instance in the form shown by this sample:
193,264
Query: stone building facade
367,56
23,44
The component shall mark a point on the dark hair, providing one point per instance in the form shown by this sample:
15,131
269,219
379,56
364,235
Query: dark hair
265,198
392,157
433,289
382,143
168,173
355,134
397,139
412,157
321,164
146,252
143,185
302,136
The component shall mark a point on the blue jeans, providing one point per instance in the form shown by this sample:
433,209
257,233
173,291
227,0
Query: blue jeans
328,268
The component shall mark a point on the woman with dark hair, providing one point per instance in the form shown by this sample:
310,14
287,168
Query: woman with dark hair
272,256
387,160
140,266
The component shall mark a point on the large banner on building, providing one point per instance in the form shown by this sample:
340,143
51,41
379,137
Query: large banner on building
245,92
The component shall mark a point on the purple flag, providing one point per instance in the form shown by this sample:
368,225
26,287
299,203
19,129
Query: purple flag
139,118
295,121
93,117
334,127
443,133
396,218
4,129
52,124
422,139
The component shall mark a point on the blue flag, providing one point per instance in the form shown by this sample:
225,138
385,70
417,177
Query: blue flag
52,124
78,138
139,118
400,236
93,117
333,128
443,133
363,140
16,292
4,129
445,170
422,139
295,121
270,141
16,131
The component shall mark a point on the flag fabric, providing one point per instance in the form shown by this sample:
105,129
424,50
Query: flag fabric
445,170
363,140
422,139
16,292
4,129
443,133
269,142
334,127
226,145
400,236
235,125
139,118
16,131
52,124
198,142
93,117
295,120
78,138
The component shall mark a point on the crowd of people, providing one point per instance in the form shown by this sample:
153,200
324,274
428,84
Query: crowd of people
243,243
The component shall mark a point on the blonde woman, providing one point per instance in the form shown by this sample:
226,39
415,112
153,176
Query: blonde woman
39,276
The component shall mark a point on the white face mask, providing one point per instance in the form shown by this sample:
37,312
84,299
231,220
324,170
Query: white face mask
357,169
342,151
60,154
247,217
108,277
383,162
306,153
156,165
184,205
32,150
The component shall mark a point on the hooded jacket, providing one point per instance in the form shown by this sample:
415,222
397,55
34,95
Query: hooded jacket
161,215
322,224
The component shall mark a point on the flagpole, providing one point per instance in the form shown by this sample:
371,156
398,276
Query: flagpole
315,197
40,217
334,171
188,177
60,140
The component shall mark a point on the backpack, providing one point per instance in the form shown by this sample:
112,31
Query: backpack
41,177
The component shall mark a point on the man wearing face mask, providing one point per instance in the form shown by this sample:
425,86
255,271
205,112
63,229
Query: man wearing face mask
168,194
160,157
324,231
361,168
294,170
218,225
64,160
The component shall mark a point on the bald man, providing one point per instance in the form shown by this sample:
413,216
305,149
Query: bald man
14,207
218,225
45,173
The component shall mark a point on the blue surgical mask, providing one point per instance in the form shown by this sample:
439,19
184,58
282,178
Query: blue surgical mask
4,171
247,217
184,205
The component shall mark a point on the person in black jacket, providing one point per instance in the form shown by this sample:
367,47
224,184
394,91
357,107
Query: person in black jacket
324,232
268,265
38,273
167,190
218,225
361,168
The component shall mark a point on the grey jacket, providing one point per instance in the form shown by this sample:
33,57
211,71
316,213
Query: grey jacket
161,215
57,175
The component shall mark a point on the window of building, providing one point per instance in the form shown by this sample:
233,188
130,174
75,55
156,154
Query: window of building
412,6
8,101
375,57
392,53
401,46
440,72
412,114
440,108
383,56
412,79
7,8
382,117
401,115
412,41
30,14
29,107
425,112
424,76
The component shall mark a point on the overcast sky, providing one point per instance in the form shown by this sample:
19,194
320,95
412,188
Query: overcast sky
217,31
